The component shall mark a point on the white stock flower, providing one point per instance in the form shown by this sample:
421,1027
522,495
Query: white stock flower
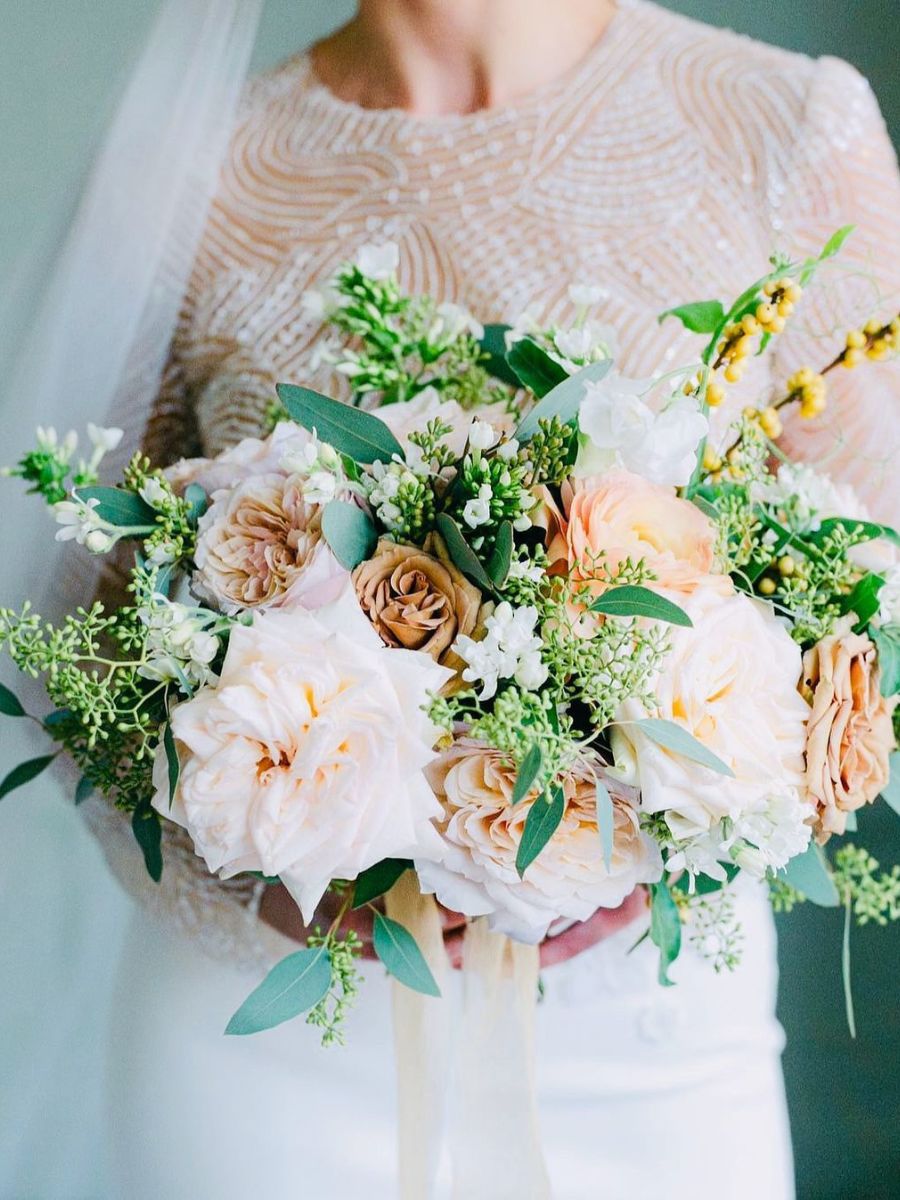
477,511
808,496
590,342
153,492
731,682
451,322
482,435
481,829
619,429
889,597
179,645
319,467
104,439
510,649
525,324
80,522
378,262
583,295
306,760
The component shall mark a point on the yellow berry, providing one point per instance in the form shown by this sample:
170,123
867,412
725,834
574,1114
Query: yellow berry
770,421
711,460
786,565
765,313
878,350
851,357
793,292
733,372
750,413
767,586
856,339
770,288
872,327
750,325
715,395
785,307
776,325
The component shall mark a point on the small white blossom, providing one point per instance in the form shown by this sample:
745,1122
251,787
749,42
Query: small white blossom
583,295
383,486
319,468
451,322
153,492
508,450
78,519
179,646
525,324
98,541
510,649
889,597
104,440
320,302
590,342
522,568
378,262
482,435
477,511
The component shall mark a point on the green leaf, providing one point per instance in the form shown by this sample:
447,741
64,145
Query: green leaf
706,507
665,929
379,879
24,773
868,530
293,986
808,874
145,825
493,345
534,368
564,401
349,532
864,599
705,885
84,789
402,958
605,821
10,705
851,825
351,431
498,564
197,501
172,764
677,739
835,242
119,507
528,773
891,791
705,316
887,642
462,553
541,823
629,600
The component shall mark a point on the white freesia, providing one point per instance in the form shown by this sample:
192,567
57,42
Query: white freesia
620,429
731,681
481,830
510,649
378,262
306,761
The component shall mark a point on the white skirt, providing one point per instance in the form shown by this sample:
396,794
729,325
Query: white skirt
644,1091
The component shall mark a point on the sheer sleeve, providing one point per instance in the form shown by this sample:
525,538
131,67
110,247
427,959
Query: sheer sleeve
842,170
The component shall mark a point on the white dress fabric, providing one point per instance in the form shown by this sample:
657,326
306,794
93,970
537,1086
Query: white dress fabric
665,168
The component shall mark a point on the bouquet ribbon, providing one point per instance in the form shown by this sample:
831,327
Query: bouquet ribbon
477,1090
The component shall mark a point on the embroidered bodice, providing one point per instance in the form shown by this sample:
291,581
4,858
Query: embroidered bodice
666,167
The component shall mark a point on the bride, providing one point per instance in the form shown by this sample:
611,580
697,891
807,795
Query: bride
510,148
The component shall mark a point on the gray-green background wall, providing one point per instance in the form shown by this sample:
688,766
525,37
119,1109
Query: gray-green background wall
62,63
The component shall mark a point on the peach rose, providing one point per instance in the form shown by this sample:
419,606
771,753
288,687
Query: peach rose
416,599
481,830
850,735
260,545
306,760
610,518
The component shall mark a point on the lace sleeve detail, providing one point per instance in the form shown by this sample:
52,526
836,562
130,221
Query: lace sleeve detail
842,170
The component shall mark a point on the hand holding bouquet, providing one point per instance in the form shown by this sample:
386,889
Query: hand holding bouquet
509,620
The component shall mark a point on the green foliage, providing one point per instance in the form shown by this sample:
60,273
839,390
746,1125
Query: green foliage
349,532
665,928
360,435
873,894
887,640
401,956
544,816
676,739
24,773
632,600
147,831
10,705
462,554
808,873
605,821
715,932
377,880
294,985
330,1013
704,316
529,773
534,368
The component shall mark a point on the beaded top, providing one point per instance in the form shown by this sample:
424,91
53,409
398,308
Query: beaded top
665,167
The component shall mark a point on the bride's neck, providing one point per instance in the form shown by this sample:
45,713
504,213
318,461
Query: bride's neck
433,57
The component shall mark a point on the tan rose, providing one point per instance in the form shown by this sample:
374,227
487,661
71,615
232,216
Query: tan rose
850,733
417,599
481,830
260,545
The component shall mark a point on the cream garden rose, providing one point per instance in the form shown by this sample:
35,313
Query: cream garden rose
730,681
610,518
481,830
251,456
306,761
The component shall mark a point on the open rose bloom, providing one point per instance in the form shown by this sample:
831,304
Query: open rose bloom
508,619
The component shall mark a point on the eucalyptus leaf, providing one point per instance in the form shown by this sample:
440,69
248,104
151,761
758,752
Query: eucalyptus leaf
864,599
10,705
377,880
147,830
673,737
462,553
173,767
887,642
528,773
630,600
293,986
402,958
534,368
563,401
197,500
493,345
868,530
891,791
665,929
808,874
541,823
605,821
351,431
705,885
119,507
349,532
706,507
835,242
84,789
24,773
498,565
705,316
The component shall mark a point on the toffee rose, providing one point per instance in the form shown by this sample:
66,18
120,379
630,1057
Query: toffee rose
850,733
417,599
260,545
481,830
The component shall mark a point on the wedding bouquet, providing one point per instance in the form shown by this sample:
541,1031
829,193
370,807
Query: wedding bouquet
508,619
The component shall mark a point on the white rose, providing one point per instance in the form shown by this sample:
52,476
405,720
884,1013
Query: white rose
619,429
252,456
481,830
730,681
306,761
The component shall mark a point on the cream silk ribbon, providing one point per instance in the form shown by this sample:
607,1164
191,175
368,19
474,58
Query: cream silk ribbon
478,1085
